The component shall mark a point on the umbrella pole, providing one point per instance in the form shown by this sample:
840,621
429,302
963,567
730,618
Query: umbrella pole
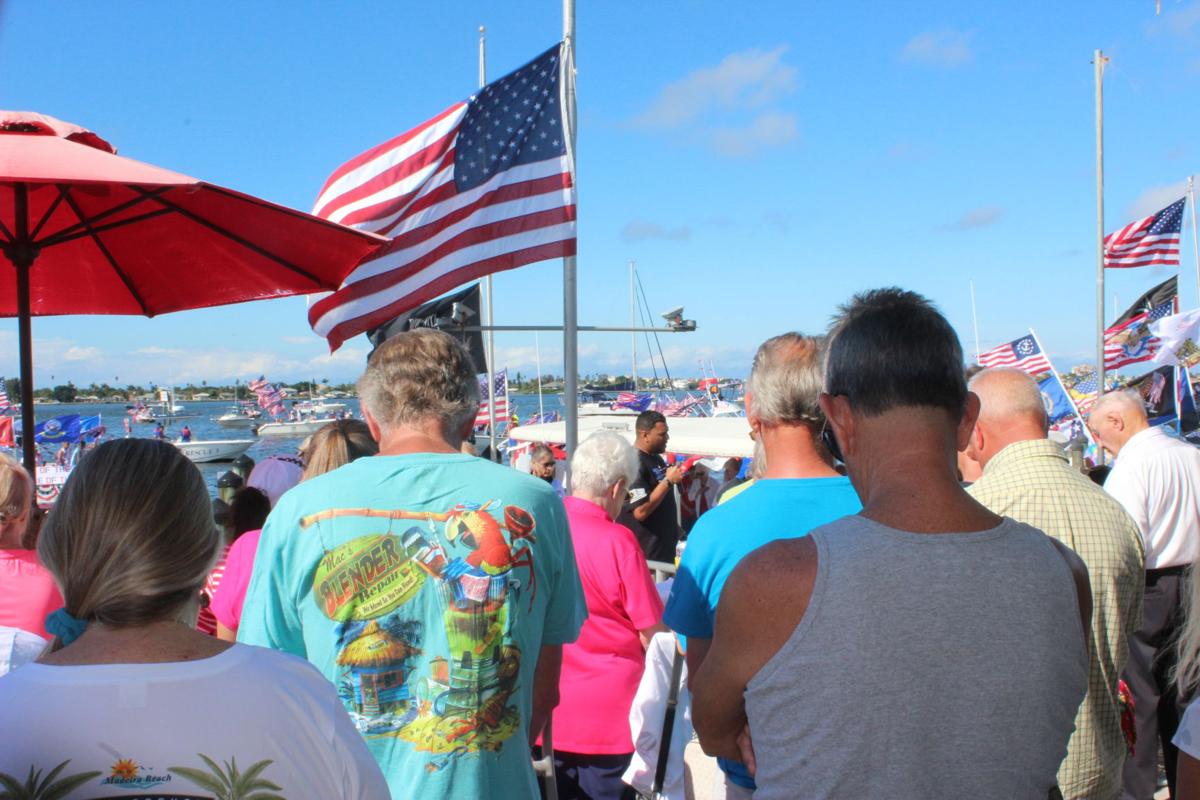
25,339
22,253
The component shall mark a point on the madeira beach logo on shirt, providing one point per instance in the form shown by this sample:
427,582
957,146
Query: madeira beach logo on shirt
127,772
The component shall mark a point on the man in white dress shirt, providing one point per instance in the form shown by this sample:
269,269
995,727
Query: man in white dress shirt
1156,478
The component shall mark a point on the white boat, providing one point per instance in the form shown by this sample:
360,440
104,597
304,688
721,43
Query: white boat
214,449
727,437
303,427
236,419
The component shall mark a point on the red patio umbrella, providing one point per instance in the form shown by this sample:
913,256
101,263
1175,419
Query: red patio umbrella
90,232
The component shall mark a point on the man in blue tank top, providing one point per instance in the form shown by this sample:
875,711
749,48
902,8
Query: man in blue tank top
922,648
799,491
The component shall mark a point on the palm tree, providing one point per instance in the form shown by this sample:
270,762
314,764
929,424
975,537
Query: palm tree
37,788
229,783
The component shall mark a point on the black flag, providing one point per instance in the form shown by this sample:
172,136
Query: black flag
441,315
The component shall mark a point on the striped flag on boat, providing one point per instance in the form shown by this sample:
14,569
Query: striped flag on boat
1023,354
484,186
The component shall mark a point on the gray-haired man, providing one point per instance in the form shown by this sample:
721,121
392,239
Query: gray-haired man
434,589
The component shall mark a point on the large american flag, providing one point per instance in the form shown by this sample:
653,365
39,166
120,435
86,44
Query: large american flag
500,382
4,404
1143,242
484,186
1131,341
1023,354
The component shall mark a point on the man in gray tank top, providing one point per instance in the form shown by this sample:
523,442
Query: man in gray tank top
925,648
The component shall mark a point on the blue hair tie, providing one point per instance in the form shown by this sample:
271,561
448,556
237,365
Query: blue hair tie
65,626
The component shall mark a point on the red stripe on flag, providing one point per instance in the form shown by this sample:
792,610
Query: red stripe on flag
517,258
379,150
472,236
436,153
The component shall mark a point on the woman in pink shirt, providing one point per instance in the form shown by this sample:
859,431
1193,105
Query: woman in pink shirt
601,670
27,589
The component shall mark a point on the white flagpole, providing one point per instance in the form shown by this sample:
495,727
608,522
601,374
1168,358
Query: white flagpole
537,354
975,321
1098,62
633,319
1195,236
570,287
489,319
1066,393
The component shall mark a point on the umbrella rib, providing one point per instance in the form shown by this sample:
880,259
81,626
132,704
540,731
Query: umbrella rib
60,238
62,192
235,238
71,230
112,262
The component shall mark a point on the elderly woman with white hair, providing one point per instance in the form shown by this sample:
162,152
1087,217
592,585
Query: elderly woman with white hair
600,672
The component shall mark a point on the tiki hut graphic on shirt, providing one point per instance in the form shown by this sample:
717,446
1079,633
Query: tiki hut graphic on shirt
426,651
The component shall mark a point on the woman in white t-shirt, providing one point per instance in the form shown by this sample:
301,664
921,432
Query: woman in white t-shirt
128,698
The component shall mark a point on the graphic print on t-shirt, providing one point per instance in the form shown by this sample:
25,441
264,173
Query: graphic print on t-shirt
226,781
466,572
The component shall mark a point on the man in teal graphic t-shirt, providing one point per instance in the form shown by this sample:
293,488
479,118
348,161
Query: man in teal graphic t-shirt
434,589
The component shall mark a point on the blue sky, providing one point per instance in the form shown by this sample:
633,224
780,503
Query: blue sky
761,162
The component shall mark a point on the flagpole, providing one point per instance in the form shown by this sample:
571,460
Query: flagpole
487,292
975,321
633,319
1066,393
537,354
1195,236
570,287
1098,61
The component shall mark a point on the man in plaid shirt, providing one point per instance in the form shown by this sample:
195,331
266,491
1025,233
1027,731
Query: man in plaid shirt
1027,477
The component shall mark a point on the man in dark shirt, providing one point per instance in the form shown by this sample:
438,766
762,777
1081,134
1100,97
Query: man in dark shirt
650,511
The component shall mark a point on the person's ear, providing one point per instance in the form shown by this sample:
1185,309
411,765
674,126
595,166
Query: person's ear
968,424
1116,420
836,408
372,425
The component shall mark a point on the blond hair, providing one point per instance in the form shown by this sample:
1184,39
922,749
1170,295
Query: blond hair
16,490
337,444
131,537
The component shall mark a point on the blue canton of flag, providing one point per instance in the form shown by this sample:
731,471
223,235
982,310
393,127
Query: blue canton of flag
511,122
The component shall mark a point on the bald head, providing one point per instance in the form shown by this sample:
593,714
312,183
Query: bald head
1115,418
1011,410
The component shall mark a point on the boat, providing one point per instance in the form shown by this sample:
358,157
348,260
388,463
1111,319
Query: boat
213,449
302,427
239,418
725,437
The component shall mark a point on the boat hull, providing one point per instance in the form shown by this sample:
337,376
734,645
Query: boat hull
236,421
214,450
301,428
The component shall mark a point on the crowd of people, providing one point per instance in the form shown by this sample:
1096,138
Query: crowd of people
910,593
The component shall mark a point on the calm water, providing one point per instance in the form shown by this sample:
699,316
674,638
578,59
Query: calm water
201,416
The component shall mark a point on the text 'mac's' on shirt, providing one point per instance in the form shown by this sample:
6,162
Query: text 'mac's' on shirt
778,508
659,534
423,586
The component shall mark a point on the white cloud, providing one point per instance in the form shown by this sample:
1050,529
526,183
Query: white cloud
976,218
729,107
767,130
944,47
639,230
75,353
746,80
1153,199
